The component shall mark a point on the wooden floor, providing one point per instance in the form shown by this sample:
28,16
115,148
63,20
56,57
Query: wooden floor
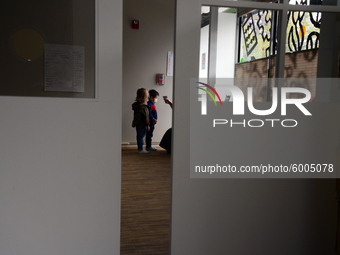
145,215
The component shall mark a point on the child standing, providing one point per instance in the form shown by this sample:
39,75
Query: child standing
153,96
141,117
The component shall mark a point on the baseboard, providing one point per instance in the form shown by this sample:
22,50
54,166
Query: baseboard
135,143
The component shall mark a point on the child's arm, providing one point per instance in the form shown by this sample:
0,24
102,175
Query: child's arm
136,119
151,116
147,118
155,113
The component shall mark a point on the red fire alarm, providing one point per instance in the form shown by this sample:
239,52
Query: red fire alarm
135,24
160,77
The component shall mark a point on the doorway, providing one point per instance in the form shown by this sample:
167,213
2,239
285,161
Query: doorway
146,178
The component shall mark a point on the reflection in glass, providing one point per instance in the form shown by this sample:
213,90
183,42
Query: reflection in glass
303,31
305,2
309,55
256,35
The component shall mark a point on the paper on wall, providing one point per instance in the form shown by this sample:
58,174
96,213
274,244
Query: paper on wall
170,64
64,68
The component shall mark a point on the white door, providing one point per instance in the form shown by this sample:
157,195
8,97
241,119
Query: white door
245,215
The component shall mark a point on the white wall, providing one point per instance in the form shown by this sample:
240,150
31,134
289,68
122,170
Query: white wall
239,216
204,49
226,38
60,161
145,54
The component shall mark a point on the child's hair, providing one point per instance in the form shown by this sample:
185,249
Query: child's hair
153,93
142,95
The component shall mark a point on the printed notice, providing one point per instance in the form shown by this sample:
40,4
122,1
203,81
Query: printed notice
64,68
170,64
203,61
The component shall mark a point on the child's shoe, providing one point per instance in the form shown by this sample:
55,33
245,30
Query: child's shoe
151,148
142,152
